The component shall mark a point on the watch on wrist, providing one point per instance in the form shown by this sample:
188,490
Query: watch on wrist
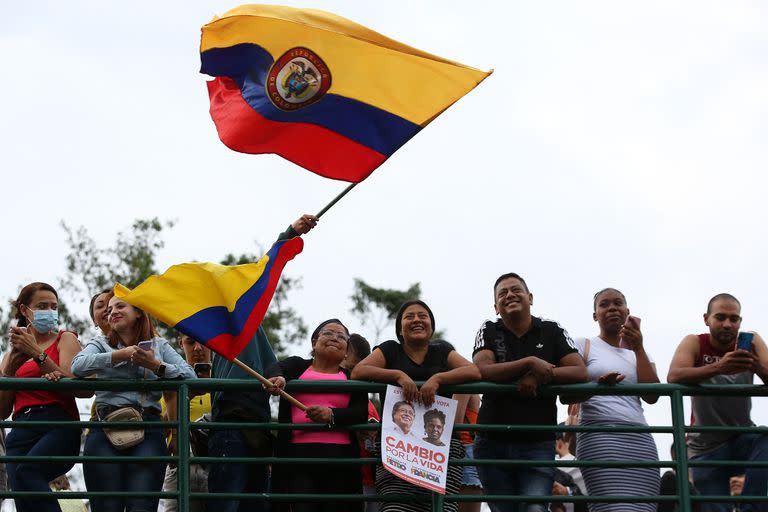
160,372
40,359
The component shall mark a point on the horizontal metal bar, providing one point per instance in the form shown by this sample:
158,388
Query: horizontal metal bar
371,387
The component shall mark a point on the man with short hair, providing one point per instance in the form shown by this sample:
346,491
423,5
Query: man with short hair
713,358
523,348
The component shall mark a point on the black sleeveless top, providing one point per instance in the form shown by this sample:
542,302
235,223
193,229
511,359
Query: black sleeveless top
436,360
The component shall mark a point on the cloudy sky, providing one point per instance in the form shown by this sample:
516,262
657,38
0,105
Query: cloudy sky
616,144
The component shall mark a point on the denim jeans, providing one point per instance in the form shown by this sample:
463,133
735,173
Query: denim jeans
714,481
235,477
37,441
126,476
516,481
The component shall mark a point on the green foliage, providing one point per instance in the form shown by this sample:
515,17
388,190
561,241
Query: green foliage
377,307
91,268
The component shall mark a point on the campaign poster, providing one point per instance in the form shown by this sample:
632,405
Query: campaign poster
415,439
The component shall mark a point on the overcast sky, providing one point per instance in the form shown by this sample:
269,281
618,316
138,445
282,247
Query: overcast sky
616,144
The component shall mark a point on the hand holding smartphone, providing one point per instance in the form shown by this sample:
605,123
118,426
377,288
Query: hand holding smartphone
203,370
145,345
745,341
632,321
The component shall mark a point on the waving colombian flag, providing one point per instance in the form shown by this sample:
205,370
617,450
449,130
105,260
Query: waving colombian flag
322,91
219,306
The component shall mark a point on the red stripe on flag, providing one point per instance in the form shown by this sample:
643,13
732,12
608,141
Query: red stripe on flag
313,147
230,346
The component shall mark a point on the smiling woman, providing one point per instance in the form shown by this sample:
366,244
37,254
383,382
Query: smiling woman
416,357
329,348
131,351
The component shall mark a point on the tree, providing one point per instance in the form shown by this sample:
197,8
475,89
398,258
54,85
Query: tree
378,306
91,268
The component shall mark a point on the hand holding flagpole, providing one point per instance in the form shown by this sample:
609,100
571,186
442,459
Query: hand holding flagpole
267,384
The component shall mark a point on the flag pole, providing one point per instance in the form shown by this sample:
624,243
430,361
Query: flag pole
264,381
336,199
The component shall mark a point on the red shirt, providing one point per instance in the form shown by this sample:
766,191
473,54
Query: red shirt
31,398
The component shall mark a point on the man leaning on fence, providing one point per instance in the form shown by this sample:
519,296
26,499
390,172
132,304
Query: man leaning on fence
523,348
713,358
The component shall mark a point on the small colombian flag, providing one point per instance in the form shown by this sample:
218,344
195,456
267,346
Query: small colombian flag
219,306
322,91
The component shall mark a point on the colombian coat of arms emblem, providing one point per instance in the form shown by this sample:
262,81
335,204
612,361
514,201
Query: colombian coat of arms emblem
297,79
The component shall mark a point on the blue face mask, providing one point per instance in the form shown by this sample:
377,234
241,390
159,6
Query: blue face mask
45,320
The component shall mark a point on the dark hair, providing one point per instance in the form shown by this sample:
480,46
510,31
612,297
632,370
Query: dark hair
721,296
316,332
594,299
434,413
96,296
319,328
509,275
146,329
401,403
359,346
25,297
560,435
399,317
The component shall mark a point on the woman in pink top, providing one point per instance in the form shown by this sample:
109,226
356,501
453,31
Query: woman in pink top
329,347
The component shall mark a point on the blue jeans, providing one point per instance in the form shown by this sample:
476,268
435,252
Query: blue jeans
126,476
516,481
714,481
235,477
37,441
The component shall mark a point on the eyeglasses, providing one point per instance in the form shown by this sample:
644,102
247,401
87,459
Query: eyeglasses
337,335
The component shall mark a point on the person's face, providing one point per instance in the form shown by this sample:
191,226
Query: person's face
724,320
611,311
512,299
194,352
736,483
352,359
415,324
403,417
122,316
331,342
100,312
434,429
40,300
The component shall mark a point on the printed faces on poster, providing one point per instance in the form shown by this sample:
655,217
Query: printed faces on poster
415,439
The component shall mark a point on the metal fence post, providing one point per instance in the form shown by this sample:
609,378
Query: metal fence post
182,447
681,455
437,502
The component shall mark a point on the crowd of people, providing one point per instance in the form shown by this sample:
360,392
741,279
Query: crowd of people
516,347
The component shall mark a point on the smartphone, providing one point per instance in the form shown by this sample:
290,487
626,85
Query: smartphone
633,321
203,370
145,345
745,341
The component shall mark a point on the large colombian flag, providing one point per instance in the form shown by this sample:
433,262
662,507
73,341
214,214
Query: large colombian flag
220,306
322,91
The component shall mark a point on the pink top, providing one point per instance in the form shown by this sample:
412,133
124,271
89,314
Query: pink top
333,400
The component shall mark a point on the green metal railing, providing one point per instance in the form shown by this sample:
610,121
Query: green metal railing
678,430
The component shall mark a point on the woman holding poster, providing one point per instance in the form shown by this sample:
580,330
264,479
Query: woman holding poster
329,348
416,358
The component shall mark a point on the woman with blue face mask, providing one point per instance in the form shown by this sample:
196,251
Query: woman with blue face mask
38,348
